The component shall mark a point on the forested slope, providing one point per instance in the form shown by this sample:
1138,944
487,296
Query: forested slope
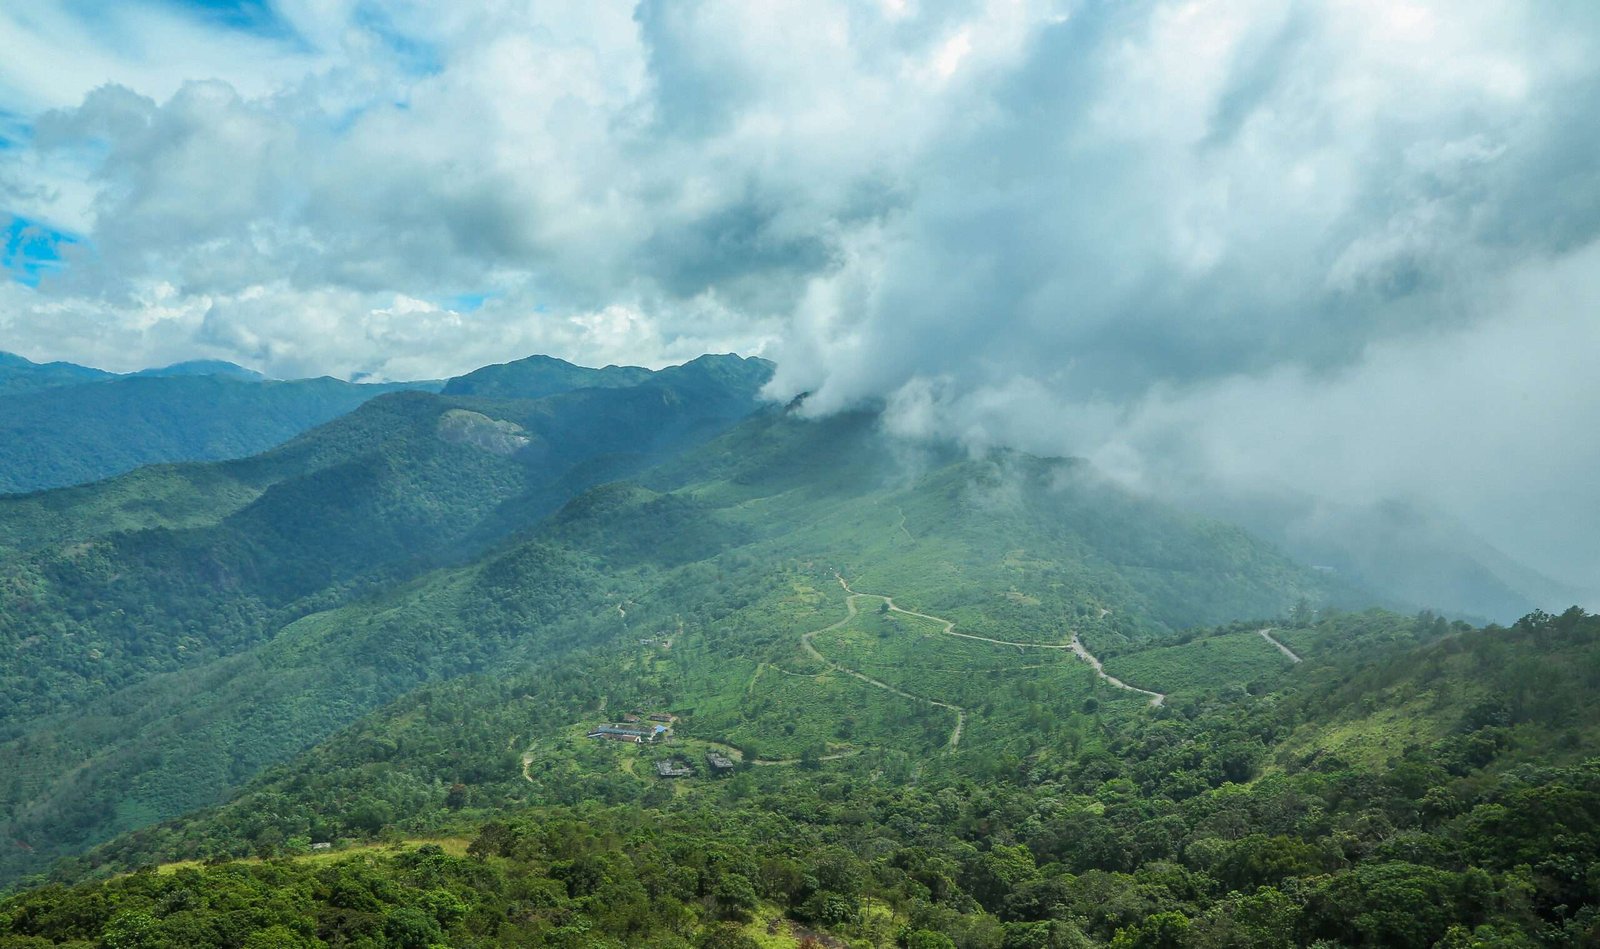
1216,822
881,634
226,647
133,692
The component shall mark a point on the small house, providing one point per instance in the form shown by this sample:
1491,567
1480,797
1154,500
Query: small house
673,768
622,733
720,763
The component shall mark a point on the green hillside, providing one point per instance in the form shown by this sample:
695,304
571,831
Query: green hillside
1205,663
1222,819
317,622
408,482
155,668
405,626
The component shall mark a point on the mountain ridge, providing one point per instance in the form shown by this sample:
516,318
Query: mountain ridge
743,499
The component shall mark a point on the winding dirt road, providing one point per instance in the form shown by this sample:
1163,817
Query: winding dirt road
1267,635
948,628
850,614
1157,699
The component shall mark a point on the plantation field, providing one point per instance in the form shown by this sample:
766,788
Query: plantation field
915,654
1308,641
782,715
1213,662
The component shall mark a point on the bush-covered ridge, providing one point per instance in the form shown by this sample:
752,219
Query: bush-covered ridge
227,647
1412,782
1198,826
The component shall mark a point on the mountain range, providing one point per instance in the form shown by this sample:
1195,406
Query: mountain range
907,694
65,424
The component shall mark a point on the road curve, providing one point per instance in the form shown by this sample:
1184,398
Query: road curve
850,613
1267,635
1157,699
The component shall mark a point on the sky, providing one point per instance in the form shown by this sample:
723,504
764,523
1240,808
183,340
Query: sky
1341,249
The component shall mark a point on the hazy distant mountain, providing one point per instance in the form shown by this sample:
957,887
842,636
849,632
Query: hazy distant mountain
21,375
538,376
204,367
1409,555
18,373
66,434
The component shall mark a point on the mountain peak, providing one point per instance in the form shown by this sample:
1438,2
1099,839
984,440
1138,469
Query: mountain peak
536,376
203,367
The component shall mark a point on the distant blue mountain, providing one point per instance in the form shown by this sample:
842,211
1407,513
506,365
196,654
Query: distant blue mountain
21,375
204,367
64,424
538,376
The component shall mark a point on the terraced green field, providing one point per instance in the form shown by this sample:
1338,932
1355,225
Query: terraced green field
782,715
1213,662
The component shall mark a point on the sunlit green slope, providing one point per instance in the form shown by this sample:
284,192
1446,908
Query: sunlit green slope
735,551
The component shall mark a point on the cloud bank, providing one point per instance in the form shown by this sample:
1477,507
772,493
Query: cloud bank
1345,248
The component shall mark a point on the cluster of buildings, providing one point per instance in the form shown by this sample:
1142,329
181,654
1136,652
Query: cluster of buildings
718,763
639,728
636,730
632,734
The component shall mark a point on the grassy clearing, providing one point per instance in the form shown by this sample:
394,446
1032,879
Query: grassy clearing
1213,662
454,846
1370,740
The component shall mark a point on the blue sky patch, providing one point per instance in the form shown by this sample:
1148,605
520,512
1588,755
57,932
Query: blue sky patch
29,250
466,302
250,16
415,55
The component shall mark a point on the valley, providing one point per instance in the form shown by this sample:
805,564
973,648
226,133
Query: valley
856,474
989,698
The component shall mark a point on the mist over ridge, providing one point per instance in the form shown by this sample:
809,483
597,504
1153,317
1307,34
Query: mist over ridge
1312,257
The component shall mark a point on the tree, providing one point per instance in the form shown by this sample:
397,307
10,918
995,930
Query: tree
129,930
1160,931
1302,614
992,876
411,928
734,897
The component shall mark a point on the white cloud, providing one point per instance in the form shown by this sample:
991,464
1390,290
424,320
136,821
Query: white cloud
672,159
1166,233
